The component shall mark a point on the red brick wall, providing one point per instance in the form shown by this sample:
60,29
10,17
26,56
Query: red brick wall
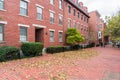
12,30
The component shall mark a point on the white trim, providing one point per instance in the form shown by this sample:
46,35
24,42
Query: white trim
51,30
23,25
27,0
39,6
52,11
60,15
39,26
3,22
60,31
69,18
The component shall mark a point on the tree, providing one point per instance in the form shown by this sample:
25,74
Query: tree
74,36
113,28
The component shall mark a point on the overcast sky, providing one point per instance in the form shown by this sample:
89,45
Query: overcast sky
104,7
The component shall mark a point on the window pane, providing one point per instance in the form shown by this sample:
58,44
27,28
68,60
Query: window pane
23,34
23,11
51,17
1,4
39,13
1,32
60,36
51,1
23,4
51,36
23,7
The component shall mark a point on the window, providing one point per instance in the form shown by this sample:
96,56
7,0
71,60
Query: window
23,34
69,9
51,36
74,24
51,17
78,15
84,19
39,13
74,12
69,23
60,36
79,26
60,19
1,4
23,7
81,17
60,4
87,20
52,2
1,32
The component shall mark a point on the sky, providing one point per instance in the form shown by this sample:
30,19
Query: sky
104,7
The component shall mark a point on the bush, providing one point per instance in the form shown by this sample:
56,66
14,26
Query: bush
75,47
9,53
56,49
32,49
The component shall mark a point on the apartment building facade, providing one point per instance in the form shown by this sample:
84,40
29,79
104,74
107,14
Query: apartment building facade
96,25
40,21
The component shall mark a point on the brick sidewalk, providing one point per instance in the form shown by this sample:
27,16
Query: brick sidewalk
105,66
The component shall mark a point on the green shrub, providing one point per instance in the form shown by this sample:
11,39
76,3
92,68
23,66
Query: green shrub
32,49
56,49
9,53
75,47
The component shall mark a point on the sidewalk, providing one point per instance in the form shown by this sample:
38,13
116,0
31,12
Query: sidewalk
105,66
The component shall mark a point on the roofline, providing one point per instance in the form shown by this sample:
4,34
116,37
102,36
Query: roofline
76,6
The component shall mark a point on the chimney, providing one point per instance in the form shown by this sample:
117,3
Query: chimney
85,9
81,5
75,1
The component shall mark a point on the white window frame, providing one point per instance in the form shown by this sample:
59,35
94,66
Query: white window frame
52,19
52,2
25,8
3,4
60,4
60,36
52,36
60,19
2,32
39,13
24,36
69,23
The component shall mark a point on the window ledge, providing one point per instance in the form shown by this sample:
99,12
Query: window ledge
39,19
3,10
60,24
52,41
23,41
2,42
23,15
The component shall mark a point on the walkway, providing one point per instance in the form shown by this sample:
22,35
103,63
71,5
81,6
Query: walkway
105,66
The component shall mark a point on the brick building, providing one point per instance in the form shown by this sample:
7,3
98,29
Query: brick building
40,21
96,25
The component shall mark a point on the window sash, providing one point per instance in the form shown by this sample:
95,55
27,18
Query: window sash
60,20
52,2
69,23
1,32
69,9
39,13
60,4
51,17
60,36
51,36
1,4
23,7
23,34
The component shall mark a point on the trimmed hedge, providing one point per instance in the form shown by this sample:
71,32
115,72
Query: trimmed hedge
56,49
9,53
32,48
